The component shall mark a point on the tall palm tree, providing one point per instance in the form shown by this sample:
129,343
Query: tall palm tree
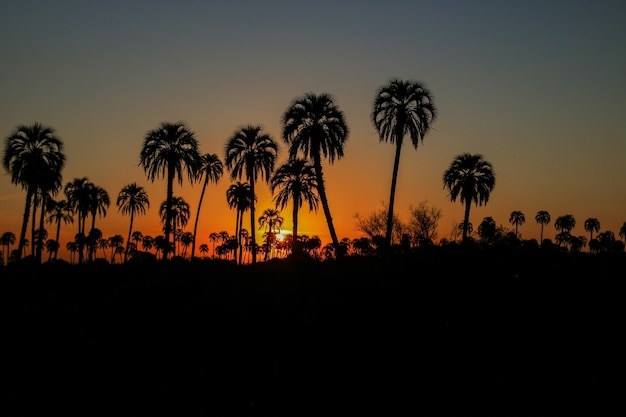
517,218
487,230
33,155
295,180
401,108
211,169
315,126
239,197
132,199
98,203
168,151
79,199
592,225
543,218
251,154
60,212
471,179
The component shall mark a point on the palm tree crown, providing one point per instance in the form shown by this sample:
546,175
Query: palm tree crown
315,126
471,179
401,108
543,218
168,151
251,154
517,218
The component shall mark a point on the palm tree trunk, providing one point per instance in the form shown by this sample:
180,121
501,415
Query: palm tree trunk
130,229
252,226
41,223
295,248
321,190
168,210
468,204
392,196
32,227
195,225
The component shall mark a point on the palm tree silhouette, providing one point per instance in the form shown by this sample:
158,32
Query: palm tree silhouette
7,239
132,199
272,220
295,180
168,151
179,212
487,229
60,212
34,157
592,225
564,225
314,125
251,154
622,232
78,196
517,218
542,218
98,203
471,179
239,197
211,168
401,108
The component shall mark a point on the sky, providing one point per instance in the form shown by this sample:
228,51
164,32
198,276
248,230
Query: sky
537,87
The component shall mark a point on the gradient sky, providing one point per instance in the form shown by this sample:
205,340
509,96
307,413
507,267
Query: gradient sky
537,87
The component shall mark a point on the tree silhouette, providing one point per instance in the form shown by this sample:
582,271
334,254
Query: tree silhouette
564,225
168,151
592,225
487,230
272,221
98,204
78,196
7,239
132,199
315,126
542,218
179,214
471,179
239,197
34,157
60,212
401,108
251,154
211,169
622,232
517,218
295,180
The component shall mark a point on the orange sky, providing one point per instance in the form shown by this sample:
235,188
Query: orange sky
537,88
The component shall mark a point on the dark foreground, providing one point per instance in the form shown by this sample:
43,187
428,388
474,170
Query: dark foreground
429,335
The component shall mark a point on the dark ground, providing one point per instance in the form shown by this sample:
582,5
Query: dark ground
429,335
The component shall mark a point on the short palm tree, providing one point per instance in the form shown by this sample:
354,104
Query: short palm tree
60,212
167,152
211,169
132,199
402,108
98,204
471,179
272,221
31,155
7,239
543,218
239,197
592,225
179,211
517,218
622,232
315,126
295,181
251,154
564,225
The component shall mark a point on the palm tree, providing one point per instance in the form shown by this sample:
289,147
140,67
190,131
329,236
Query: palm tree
33,155
168,151
542,218
239,197
471,179
517,218
211,169
402,108
564,225
295,180
115,243
622,232
8,239
487,230
132,199
79,199
251,154
592,225
98,203
179,212
272,220
60,212
52,246
314,125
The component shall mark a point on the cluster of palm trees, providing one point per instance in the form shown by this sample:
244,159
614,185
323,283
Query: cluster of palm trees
313,127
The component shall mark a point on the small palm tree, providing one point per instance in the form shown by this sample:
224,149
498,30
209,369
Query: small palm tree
315,126
564,225
179,212
542,218
487,230
78,196
272,221
34,157
211,169
132,199
8,239
251,154
168,151
471,179
60,212
295,180
622,232
402,108
592,225
99,202
517,218
239,197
